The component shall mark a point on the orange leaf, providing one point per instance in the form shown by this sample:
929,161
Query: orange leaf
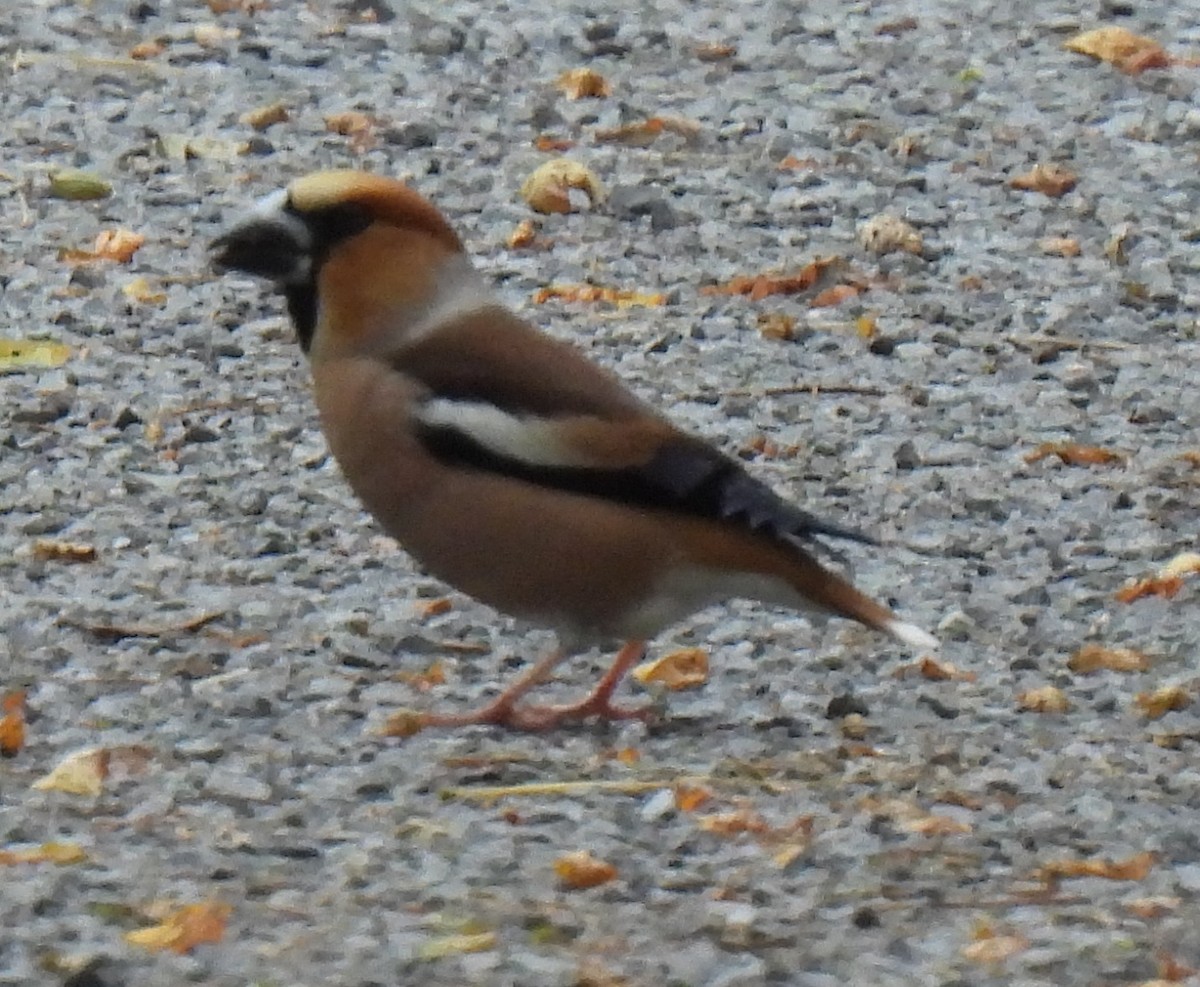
523,234
758,286
184,929
1073,454
1155,907
52,550
435,608
544,142
714,51
689,798
114,245
1157,704
646,132
583,84
1166,583
1094,658
683,669
147,49
435,674
581,869
935,825
1132,53
935,671
1133,868
835,295
12,723
733,823
1049,179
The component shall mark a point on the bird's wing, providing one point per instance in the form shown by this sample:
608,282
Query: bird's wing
504,398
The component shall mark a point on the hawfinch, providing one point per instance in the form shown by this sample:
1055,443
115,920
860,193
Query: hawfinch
507,463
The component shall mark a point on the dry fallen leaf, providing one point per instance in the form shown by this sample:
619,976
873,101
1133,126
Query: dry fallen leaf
546,142
995,949
1153,907
934,670
1132,53
262,117
1073,454
81,773
435,608
114,245
17,354
456,945
594,293
734,822
1049,179
935,825
866,325
885,234
52,550
1095,658
583,84
434,675
359,127
758,286
60,854
581,869
646,132
683,669
522,235
214,35
1133,868
78,186
140,290
12,723
689,798
1047,699
1166,583
184,929
835,295
147,49
1060,246
548,189
1157,704
714,51
777,325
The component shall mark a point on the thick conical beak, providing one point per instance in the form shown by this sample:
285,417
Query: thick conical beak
270,243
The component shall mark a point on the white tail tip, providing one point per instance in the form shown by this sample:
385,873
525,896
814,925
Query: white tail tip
913,636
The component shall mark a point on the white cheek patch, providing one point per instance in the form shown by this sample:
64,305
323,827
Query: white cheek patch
527,439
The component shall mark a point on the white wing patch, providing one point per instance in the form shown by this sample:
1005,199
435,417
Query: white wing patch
526,438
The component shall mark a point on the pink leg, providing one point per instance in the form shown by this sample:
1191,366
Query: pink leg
503,711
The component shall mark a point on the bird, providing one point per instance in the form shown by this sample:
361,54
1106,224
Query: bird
510,465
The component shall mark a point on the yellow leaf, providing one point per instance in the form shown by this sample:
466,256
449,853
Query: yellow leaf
622,298
1120,47
184,929
683,669
81,773
478,942
548,189
60,854
1134,868
139,290
78,186
18,353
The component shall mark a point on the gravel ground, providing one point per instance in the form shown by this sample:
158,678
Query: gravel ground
180,441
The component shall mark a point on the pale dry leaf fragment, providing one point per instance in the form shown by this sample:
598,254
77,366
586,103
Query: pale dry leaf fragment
995,949
59,854
581,869
354,124
1183,564
19,354
1074,454
140,290
262,117
1119,46
715,51
1155,906
78,185
1094,657
1167,582
147,49
188,147
1060,246
548,188
886,233
81,773
686,668
620,297
835,295
1050,179
935,825
734,822
583,83
1047,699
184,929
646,132
456,945
53,550
1158,703
214,35
1116,247
117,245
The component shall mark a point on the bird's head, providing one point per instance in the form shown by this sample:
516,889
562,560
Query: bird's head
359,256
